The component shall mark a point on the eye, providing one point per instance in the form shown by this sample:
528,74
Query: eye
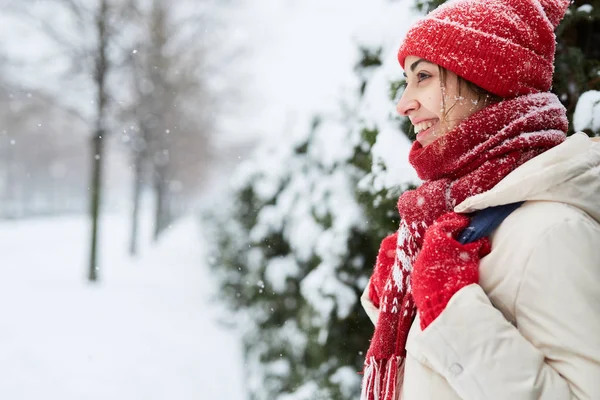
421,76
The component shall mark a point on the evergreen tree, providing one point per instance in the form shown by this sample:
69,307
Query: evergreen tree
577,64
296,248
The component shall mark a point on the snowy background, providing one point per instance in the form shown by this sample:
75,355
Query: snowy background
150,328
279,132
146,331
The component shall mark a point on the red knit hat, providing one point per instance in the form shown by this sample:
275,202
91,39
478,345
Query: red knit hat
504,46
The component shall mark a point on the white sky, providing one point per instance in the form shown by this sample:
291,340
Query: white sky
296,57
300,57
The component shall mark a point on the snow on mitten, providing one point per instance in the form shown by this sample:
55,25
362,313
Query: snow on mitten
383,266
444,266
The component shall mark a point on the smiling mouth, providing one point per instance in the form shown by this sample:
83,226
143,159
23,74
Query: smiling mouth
425,125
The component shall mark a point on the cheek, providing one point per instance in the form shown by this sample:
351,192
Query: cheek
450,123
434,101
466,109
460,111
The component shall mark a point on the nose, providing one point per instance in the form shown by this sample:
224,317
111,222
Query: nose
407,104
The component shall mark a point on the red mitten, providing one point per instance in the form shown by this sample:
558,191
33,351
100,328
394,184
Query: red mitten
444,266
383,266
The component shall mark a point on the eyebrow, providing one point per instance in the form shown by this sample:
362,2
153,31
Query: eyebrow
413,66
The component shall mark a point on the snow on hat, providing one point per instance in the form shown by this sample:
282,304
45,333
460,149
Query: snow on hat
503,46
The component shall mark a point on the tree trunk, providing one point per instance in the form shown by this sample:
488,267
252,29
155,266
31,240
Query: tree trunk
159,217
11,197
101,71
137,191
95,192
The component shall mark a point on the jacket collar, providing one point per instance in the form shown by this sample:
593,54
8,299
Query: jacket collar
568,173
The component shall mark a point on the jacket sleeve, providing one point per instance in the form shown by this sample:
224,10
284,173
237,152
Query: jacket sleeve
553,352
370,309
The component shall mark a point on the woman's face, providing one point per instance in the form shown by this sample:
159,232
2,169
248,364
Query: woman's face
434,107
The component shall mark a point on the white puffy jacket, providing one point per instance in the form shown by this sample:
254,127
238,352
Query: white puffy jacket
531,328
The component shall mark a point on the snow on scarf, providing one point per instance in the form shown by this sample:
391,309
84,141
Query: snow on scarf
471,159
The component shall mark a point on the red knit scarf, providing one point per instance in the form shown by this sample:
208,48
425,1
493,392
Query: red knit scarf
471,159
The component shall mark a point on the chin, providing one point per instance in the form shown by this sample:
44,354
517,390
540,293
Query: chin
426,140
427,137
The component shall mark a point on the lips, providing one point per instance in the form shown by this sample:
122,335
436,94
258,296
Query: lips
424,125
426,131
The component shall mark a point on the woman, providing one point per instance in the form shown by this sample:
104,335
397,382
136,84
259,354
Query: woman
515,315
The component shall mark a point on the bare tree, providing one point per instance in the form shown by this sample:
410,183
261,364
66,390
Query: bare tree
171,110
90,41
138,137
101,67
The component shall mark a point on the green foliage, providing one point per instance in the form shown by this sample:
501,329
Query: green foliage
369,59
379,207
425,6
328,345
577,65
396,89
288,342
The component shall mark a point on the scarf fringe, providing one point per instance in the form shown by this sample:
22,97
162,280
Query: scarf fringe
380,382
370,379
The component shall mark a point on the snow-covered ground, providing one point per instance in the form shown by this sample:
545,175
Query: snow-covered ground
146,330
